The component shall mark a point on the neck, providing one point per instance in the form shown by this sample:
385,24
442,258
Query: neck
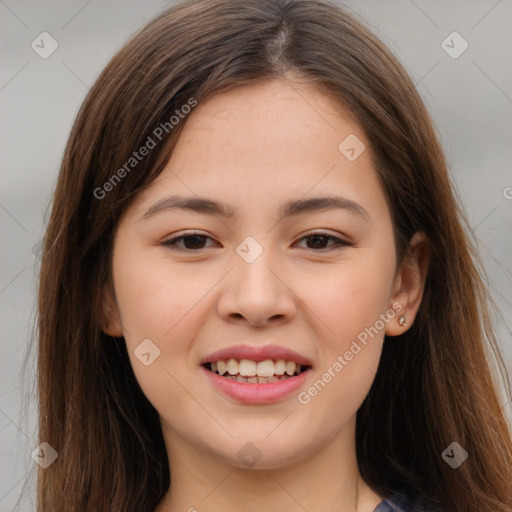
327,480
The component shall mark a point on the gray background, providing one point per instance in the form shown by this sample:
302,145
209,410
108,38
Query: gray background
470,98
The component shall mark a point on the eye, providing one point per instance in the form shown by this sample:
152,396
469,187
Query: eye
196,241
318,239
192,241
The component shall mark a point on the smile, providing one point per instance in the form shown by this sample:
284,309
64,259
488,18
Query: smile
248,371
257,388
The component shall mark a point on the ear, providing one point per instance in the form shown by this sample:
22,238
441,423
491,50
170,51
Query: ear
110,321
410,284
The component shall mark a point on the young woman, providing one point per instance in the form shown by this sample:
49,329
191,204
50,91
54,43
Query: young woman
256,288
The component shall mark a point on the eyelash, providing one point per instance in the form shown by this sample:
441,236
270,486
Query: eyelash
340,244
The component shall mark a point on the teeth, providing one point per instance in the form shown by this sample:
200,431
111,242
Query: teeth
255,380
265,368
232,366
246,370
290,368
222,367
279,367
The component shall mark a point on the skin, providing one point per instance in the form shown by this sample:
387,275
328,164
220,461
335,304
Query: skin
254,148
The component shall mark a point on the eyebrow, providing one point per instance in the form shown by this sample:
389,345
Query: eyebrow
291,208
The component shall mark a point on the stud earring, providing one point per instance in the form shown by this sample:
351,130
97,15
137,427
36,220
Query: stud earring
402,321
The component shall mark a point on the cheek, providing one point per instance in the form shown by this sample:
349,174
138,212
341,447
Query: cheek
152,295
348,359
167,304
156,303
352,307
349,298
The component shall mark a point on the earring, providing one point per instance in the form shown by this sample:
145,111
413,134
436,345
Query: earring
402,321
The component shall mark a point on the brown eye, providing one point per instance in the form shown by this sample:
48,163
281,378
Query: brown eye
317,241
191,242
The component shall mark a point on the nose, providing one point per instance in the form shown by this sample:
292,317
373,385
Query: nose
257,293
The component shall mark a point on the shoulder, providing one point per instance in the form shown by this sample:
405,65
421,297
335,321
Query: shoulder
404,503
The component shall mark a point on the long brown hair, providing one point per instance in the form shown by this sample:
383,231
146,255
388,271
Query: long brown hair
434,385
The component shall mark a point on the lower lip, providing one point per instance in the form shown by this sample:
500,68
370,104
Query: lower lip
256,393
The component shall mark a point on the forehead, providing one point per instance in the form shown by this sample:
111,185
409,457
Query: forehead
257,143
270,116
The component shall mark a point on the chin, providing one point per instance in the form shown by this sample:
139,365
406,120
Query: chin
259,452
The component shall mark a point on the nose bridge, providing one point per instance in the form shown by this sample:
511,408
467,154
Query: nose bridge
257,291
253,268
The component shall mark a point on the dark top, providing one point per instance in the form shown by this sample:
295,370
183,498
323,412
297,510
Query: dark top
402,503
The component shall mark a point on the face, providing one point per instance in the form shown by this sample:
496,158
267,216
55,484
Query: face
261,273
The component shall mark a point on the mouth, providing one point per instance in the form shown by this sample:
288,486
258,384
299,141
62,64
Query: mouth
256,374
248,371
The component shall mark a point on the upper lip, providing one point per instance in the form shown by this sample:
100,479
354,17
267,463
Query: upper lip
257,353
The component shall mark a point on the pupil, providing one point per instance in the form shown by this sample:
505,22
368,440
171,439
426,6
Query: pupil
317,237
195,239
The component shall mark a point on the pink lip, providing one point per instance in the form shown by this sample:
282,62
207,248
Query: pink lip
256,393
257,354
